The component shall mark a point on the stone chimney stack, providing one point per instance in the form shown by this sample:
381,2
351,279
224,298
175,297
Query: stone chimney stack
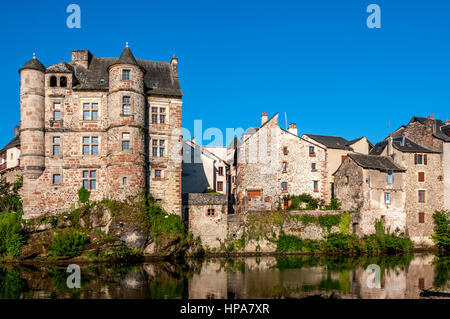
174,65
81,58
390,150
264,118
193,140
16,130
293,129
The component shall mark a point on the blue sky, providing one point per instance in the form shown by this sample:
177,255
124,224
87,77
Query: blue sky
315,60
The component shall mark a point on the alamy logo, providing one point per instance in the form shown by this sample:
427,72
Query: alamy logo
374,278
73,20
374,20
74,279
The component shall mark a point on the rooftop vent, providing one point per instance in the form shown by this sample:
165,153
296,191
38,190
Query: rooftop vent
102,81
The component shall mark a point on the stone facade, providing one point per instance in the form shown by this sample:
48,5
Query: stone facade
273,163
206,216
363,190
110,125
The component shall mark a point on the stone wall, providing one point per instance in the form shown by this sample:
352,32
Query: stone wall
433,186
212,229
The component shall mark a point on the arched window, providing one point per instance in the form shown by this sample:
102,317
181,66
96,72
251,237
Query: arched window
53,83
63,82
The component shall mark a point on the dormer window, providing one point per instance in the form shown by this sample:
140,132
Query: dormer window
126,75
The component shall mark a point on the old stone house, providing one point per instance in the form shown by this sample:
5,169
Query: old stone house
423,183
273,162
10,158
373,187
433,134
111,125
337,149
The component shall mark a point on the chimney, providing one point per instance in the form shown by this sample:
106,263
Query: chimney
16,130
389,146
293,129
193,140
447,121
263,118
81,58
174,64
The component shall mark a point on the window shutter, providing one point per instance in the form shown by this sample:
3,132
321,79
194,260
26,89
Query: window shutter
425,159
415,159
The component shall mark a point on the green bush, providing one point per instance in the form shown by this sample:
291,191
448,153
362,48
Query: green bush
308,219
288,243
10,200
329,221
83,195
10,234
68,243
160,222
335,204
441,236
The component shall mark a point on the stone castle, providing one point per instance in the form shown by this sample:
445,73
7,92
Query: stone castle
112,125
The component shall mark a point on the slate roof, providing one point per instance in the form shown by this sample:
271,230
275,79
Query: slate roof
13,143
158,78
440,128
381,163
335,142
127,57
33,64
403,144
61,67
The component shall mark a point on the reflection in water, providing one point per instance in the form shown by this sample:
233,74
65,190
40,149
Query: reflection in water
400,276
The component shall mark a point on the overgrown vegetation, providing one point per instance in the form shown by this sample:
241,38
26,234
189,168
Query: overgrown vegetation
11,236
68,243
441,236
307,202
342,242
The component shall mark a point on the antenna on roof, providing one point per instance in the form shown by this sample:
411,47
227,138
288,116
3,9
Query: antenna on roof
285,118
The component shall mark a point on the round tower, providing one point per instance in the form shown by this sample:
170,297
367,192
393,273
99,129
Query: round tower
32,111
126,127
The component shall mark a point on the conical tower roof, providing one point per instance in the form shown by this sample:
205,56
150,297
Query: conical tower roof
127,57
33,64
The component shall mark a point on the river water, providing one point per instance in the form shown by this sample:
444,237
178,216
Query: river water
399,276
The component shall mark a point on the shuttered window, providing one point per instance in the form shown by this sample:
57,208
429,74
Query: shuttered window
421,177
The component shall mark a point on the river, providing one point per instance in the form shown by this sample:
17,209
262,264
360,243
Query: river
398,276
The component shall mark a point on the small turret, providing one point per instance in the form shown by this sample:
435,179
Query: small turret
32,111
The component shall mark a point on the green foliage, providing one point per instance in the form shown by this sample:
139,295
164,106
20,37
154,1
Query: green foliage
10,200
160,223
308,219
11,237
441,236
310,202
335,204
442,275
344,224
288,243
11,285
83,195
68,243
328,221
209,191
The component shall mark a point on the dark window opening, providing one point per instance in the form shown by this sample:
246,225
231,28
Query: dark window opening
53,82
63,82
